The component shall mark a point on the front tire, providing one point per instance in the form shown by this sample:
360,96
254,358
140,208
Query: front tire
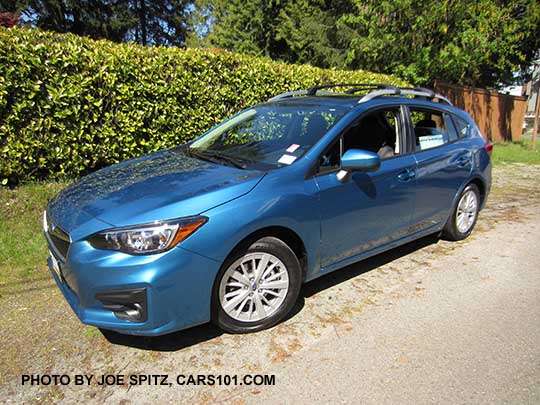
256,287
461,223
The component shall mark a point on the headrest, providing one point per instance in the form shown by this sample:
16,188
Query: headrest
426,124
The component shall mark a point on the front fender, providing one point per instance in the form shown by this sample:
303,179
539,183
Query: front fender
292,207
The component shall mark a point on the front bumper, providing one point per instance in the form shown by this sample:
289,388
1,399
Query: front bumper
177,285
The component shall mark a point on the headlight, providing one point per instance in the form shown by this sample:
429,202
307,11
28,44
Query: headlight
147,238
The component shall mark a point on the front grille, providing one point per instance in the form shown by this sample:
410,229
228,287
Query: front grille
58,238
60,244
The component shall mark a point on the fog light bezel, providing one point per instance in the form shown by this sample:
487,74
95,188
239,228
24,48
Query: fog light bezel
123,303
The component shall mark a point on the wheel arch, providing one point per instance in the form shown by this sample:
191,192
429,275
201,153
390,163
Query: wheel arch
481,188
285,234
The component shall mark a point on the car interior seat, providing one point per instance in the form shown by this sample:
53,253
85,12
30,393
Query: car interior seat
316,127
370,135
426,123
425,127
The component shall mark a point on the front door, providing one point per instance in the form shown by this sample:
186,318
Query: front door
371,209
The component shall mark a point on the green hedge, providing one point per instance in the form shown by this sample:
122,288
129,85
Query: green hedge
70,105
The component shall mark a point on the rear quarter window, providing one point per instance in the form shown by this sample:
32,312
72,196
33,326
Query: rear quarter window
475,132
463,127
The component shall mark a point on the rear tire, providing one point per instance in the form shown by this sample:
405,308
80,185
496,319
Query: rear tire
256,287
464,215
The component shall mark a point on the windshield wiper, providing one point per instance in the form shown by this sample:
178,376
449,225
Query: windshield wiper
219,158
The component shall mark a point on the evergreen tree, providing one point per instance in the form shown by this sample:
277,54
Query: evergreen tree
167,21
12,6
476,42
162,22
243,26
309,28
110,19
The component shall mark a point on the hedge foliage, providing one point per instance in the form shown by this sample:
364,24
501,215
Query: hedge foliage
70,105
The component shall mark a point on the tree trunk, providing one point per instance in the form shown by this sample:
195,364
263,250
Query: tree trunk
142,20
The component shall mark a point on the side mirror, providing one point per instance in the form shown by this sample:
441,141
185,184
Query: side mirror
357,160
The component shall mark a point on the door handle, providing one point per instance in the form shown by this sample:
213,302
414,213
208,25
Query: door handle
406,175
463,161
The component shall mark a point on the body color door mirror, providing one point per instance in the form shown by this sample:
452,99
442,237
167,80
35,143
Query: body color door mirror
357,160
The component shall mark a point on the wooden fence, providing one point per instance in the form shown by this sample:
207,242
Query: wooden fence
499,116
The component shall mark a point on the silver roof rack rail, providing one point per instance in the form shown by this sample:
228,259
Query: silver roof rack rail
289,94
417,92
376,90
355,87
313,91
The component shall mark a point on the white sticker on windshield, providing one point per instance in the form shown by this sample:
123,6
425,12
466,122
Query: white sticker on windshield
292,148
287,159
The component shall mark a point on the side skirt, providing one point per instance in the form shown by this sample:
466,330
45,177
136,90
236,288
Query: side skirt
375,251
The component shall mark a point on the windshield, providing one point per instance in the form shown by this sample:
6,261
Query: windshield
267,136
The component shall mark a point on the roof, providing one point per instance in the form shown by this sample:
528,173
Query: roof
320,94
337,100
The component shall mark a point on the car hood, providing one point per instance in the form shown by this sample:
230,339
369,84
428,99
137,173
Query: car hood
163,185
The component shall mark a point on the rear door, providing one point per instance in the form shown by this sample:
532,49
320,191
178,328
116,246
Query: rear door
443,164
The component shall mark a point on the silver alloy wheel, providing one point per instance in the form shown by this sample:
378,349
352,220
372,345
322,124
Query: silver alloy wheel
466,211
254,287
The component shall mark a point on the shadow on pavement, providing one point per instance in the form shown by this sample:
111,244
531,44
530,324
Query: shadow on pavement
166,343
354,270
178,340
189,337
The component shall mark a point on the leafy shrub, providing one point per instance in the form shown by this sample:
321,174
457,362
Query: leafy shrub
70,105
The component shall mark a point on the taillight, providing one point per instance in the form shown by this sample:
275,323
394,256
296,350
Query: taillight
488,147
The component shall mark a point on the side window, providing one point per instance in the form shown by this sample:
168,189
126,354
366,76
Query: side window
452,131
378,132
430,128
475,132
463,128
330,160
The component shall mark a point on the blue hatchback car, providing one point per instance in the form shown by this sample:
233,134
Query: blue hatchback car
228,227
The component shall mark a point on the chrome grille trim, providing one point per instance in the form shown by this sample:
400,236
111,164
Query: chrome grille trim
58,239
